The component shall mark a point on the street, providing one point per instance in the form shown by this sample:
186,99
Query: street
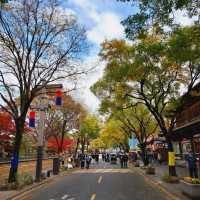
102,182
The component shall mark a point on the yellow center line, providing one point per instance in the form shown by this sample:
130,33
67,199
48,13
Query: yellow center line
100,179
93,197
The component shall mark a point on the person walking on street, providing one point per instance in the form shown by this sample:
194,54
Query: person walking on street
125,160
103,156
97,158
122,160
88,161
107,159
192,166
82,158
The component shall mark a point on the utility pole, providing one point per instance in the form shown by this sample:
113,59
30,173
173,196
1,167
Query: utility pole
42,107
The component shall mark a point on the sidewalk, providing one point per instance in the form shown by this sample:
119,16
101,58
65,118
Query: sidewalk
172,188
13,194
5,195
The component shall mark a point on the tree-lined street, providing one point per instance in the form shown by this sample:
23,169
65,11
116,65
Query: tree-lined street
99,99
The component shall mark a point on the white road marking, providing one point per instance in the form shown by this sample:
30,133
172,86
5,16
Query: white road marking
93,197
65,196
100,179
71,198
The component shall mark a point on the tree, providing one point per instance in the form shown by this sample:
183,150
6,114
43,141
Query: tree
97,144
112,135
60,121
54,144
158,13
89,129
39,45
153,71
138,122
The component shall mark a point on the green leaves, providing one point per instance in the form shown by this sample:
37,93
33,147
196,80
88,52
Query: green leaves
185,44
90,127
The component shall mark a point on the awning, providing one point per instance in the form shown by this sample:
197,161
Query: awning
187,131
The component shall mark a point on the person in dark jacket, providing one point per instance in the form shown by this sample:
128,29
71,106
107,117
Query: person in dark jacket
125,160
122,160
88,161
82,159
192,166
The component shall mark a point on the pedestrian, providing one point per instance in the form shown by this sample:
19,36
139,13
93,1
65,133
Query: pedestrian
125,160
122,160
97,158
88,161
82,158
103,156
192,166
107,157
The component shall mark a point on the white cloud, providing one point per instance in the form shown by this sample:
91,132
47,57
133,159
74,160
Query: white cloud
107,27
83,94
182,18
106,24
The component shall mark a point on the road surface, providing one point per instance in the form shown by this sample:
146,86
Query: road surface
102,182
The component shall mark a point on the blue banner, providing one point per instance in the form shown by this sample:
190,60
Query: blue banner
15,161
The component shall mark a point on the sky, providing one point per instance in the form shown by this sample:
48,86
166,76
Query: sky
102,20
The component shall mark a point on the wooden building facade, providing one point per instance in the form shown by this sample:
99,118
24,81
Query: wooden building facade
186,134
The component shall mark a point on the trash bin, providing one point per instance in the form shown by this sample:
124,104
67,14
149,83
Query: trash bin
56,166
48,173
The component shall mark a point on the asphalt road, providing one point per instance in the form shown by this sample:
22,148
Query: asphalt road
102,182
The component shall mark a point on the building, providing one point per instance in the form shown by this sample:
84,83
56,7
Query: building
186,134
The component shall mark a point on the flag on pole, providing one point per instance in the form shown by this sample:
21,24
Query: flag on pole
58,97
32,119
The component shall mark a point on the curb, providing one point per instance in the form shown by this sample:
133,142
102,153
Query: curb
27,190
158,185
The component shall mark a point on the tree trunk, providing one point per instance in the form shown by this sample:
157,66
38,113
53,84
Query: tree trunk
62,136
144,154
83,145
15,157
172,168
76,149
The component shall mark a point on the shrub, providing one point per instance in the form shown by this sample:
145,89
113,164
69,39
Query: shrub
170,179
191,180
27,179
22,180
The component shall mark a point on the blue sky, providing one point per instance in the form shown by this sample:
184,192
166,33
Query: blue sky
102,20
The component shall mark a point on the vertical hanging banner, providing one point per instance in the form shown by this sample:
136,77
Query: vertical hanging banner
171,159
58,97
15,161
32,119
